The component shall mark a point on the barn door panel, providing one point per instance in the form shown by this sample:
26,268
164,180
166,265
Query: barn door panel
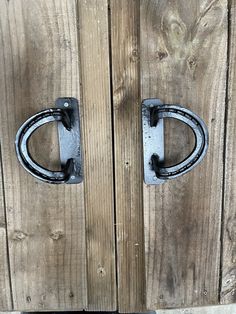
46,247
175,51
60,237
184,60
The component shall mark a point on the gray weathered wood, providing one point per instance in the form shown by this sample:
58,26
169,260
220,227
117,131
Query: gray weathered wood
98,163
46,223
183,60
228,280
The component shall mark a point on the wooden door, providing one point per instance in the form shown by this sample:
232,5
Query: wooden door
61,252
174,241
114,242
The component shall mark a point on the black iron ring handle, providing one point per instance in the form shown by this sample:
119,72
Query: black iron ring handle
22,139
201,140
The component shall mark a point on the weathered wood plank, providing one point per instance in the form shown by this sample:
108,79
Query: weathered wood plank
39,62
5,291
128,157
10,312
99,201
228,279
183,60
226,309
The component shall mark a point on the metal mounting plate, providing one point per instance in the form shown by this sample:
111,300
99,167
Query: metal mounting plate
153,141
69,140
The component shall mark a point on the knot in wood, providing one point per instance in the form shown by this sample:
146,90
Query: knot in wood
57,235
101,271
19,235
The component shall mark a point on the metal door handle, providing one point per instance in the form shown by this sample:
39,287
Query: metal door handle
66,114
153,114
154,111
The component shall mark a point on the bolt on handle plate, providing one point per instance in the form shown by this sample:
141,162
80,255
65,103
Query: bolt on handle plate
153,114
66,114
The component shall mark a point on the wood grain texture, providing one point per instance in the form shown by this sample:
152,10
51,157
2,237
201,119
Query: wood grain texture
5,290
184,60
99,201
228,279
38,63
226,309
10,312
128,157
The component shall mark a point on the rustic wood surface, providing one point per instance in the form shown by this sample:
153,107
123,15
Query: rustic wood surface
60,243
228,280
128,157
225,309
183,60
46,223
98,163
5,292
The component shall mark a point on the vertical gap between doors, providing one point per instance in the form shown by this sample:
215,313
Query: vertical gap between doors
113,149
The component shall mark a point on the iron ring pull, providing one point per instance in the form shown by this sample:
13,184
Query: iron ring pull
22,139
154,113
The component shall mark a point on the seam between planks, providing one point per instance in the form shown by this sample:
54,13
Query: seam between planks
225,148
6,227
81,139
113,148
